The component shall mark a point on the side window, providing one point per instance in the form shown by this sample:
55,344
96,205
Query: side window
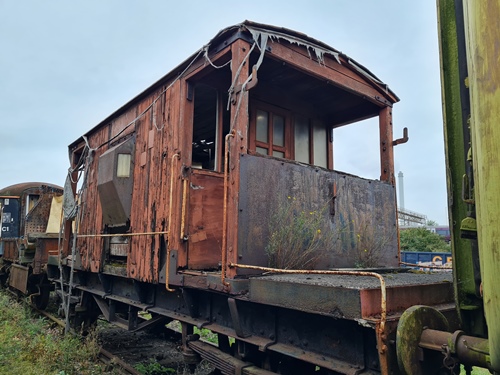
311,142
211,122
269,133
123,165
279,133
302,140
320,144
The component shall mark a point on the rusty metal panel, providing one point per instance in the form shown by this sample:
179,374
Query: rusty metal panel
351,297
10,250
359,214
402,297
43,247
205,220
19,277
335,301
115,192
17,221
37,218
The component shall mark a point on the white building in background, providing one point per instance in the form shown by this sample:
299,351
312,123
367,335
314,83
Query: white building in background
407,218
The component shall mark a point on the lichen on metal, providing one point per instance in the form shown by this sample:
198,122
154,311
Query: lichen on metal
484,80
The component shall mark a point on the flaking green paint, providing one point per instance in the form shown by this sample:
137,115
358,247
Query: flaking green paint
483,60
456,155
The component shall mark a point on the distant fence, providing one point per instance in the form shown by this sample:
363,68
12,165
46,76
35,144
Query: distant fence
426,260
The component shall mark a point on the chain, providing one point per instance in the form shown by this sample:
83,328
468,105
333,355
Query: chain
448,361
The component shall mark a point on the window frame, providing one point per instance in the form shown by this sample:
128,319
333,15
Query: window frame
289,137
271,110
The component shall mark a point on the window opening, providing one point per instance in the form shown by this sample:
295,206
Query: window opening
262,126
311,142
205,120
31,201
274,133
302,140
270,133
279,131
320,145
355,147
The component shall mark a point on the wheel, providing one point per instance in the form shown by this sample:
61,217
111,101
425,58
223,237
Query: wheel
41,299
4,276
411,324
84,315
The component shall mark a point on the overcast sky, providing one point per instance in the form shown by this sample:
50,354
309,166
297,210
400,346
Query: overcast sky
66,65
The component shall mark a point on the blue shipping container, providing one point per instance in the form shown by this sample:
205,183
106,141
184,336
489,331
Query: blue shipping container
425,258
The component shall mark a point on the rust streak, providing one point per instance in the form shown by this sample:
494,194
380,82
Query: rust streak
175,157
224,223
185,184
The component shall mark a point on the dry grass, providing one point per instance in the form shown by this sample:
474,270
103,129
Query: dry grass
369,245
298,237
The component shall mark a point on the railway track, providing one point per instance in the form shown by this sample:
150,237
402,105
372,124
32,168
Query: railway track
120,349
111,361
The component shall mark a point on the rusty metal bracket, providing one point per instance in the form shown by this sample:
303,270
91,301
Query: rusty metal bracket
467,191
235,317
401,140
250,85
203,324
191,303
334,197
238,368
264,347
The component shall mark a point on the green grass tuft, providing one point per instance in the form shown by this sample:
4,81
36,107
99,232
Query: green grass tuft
29,345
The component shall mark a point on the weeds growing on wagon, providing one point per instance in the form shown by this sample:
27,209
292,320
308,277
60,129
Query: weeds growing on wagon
298,237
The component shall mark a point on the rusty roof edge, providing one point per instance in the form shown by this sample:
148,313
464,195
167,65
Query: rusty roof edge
284,33
277,32
18,189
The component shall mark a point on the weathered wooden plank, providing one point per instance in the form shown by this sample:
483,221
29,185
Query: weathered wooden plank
175,168
140,197
163,138
205,220
202,67
338,77
386,146
238,145
91,249
330,62
185,144
120,126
